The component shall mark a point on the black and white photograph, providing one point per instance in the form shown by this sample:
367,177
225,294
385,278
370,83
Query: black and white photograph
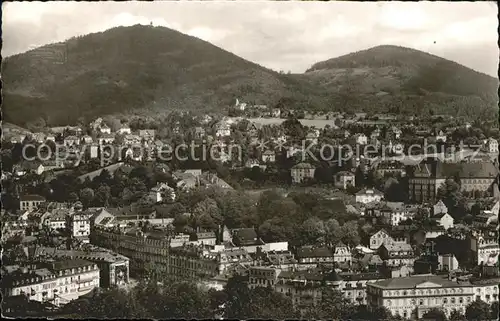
277,160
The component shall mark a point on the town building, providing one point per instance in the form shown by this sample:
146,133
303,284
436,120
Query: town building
152,249
56,219
162,192
361,139
413,296
492,145
124,130
344,179
269,156
309,256
485,249
222,129
71,141
104,129
148,135
439,208
106,138
87,139
441,136
443,219
26,167
397,254
302,172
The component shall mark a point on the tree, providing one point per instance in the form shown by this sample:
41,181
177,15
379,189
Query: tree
312,231
456,315
177,300
349,233
451,196
103,195
333,234
477,311
261,303
207,212
435,314
87,196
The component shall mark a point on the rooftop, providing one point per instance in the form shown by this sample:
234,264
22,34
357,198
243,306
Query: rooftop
419,281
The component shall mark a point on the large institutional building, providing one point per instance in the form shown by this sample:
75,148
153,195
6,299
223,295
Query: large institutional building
430,174
56,282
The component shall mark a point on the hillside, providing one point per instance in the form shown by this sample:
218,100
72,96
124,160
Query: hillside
155,69
134,67
392,76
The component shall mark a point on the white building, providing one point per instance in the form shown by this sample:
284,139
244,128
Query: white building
368,195
57,282
71,141
413,296
361,139
444,219
124,129
30,202
441,136
105,129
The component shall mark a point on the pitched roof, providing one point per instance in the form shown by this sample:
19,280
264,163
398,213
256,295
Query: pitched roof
312,251
244,236
469,170
303,166
412,282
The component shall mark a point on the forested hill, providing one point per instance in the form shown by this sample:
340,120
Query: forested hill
133,67
155,69
420,79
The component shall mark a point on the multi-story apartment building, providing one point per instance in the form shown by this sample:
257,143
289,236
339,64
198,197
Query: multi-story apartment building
308,256
430,174
113,267
56,282
413,296
397,254
78,225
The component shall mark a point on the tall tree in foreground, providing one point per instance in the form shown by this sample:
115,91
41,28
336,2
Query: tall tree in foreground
477,311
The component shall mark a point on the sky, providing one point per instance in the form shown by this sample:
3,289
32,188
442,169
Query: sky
283,35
